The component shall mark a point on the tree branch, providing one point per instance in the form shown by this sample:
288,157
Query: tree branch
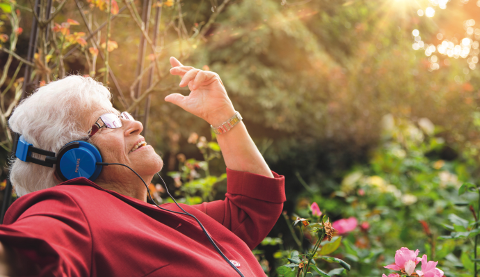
17,57
42,24
212,18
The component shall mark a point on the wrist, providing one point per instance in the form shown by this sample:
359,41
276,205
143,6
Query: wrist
219,116
227,125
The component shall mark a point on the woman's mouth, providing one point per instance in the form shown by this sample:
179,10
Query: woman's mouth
138,145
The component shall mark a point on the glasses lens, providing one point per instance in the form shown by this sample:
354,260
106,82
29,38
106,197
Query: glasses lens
111,120
127,116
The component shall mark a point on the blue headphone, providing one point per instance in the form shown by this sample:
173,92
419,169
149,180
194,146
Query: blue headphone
75,159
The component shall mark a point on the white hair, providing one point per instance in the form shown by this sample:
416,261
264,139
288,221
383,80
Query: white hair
50,118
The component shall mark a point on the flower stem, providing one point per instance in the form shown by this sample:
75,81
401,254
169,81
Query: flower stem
295,238
314,251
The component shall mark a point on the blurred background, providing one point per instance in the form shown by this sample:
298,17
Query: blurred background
369,108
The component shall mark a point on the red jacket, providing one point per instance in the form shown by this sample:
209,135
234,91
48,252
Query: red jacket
79,229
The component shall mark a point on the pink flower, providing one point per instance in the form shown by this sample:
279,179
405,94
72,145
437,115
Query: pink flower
429,268
315,209
405,259
391,275
345,225
365,226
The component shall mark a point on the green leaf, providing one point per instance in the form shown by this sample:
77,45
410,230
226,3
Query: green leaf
6,8
459,228
350,249
336,271
467,262
474,232
455,219
446,248
286,271
461,204
448,227
354,258
465,187
214,146
336,260
330,246
319,271
295,261
460,235
294,257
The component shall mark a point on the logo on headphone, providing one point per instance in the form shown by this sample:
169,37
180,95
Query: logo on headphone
78,165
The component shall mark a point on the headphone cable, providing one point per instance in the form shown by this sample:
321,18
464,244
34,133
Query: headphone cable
184,212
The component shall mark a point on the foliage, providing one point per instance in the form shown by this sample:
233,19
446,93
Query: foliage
313,80
315,228
406,196
197,187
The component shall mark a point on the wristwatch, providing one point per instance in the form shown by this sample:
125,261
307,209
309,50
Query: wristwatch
227,125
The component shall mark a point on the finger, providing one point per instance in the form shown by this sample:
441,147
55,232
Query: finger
200,79
174,62
176,98
180,70
189,76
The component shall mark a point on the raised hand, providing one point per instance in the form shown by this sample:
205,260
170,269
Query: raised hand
208,98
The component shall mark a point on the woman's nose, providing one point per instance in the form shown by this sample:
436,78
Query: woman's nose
132,127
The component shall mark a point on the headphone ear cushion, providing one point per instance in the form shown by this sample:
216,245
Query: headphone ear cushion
78,159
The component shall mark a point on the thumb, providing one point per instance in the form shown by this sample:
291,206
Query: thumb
175,98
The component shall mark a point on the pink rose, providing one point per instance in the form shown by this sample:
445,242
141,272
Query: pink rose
315,209
345,225
405,259
429,269
365,226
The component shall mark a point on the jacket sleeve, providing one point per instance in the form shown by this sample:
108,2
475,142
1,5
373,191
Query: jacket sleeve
51,231
252,205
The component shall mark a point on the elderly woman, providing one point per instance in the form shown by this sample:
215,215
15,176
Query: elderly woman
105,227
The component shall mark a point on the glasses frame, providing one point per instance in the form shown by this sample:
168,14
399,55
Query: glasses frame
112,124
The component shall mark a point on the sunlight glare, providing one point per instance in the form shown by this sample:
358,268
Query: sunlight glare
441,49
420,12
430,12
441,3
415,32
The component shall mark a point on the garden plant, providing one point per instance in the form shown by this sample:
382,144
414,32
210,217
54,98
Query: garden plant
369,109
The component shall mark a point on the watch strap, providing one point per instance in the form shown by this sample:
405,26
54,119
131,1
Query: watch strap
227,125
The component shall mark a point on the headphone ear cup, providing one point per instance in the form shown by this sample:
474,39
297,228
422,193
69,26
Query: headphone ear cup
78,159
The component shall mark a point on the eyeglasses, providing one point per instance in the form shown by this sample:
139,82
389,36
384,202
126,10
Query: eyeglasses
109,120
